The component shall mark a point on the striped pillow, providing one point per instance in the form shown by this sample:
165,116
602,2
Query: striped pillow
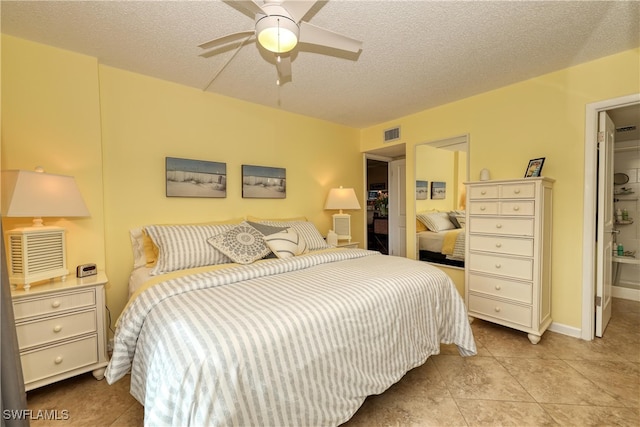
436,221
287,243
185,246
243,244
306,230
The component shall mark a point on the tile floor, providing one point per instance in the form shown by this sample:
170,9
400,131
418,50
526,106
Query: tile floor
562,381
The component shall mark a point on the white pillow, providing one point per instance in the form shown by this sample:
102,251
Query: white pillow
436,221
286,243
243,244
137,246
306,230
185,246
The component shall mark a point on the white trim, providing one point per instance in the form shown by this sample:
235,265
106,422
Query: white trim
590,208
564,329
625,293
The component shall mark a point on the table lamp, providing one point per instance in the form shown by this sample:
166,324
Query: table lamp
339,199
38,252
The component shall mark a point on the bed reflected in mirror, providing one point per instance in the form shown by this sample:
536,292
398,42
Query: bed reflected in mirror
442,168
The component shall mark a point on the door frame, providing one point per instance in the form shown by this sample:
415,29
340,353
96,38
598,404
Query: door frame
587,331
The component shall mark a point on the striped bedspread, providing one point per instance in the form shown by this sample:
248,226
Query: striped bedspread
299,342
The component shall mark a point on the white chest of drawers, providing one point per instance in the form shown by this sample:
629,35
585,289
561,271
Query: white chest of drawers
508,255
61,329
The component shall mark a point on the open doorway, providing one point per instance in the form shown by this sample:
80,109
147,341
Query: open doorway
626,112
381,178
378,205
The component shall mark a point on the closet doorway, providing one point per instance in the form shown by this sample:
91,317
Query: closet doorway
597,283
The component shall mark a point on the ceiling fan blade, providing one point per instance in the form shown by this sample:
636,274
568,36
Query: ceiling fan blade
227,47
225,39
298,8
322,37
283,65
248,5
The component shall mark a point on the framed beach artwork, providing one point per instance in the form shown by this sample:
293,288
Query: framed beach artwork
195,178
263,182
438,190
422,190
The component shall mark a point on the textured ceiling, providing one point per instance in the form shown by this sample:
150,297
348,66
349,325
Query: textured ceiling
416,54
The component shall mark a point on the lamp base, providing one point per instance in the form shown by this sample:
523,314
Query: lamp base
36,254
342,226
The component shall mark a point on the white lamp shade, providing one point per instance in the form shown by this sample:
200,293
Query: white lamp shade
39,194
342,198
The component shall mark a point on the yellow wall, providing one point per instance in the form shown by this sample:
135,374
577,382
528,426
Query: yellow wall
541,117
113,129
51,118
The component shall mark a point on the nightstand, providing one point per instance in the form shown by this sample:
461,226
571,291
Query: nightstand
347,244
61,329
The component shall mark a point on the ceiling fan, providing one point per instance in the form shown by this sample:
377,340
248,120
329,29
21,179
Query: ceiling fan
279,28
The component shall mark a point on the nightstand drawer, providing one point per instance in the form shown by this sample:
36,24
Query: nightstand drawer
493,286
56,328
501,245
483,208
483,192
516,268
47,305
505,226
57,359
513,313
517,207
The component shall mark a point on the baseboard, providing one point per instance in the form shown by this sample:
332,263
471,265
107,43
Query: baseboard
625,293
565,330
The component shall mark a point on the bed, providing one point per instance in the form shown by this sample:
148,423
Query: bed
290,340
440,237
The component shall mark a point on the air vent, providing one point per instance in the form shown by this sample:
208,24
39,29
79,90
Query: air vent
626,129
392,134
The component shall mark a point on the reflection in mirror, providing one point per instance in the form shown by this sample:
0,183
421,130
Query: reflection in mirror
440,172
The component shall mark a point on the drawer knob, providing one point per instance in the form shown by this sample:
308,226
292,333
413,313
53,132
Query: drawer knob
498,265
497,309
516,208
483,192
58,360
55,304
517,191
498,287
57,328
482,208
498,225
498,245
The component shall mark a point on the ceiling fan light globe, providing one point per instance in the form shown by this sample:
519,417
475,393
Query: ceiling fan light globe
277,34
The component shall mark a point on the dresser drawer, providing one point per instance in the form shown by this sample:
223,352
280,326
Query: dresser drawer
517,207
513,313
483,208
524,190
504,226
56,328
501,245
483,192
25,308
49,361
516,268
493,286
